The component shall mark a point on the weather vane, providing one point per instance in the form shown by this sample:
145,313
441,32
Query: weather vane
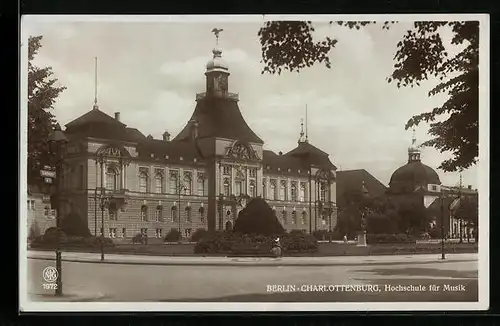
216,32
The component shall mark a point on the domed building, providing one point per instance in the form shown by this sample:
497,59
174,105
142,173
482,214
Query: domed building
414,176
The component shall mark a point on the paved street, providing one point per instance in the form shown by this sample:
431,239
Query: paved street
258,280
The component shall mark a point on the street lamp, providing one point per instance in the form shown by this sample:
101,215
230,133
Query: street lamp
104,204
181,187
442,225
57,143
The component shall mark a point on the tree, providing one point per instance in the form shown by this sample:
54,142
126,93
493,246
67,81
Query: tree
289,46
74,225
42,94
258,218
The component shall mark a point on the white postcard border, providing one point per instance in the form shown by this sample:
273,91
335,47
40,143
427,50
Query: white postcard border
483,257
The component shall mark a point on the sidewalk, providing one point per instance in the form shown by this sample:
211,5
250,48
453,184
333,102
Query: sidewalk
249,261
67,297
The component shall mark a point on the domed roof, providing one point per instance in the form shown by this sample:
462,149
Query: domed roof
217,62
414,173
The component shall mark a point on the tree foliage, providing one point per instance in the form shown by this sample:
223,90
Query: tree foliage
289,46
42,94
258,218
420,55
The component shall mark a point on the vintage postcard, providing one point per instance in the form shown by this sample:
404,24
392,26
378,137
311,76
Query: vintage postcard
254,163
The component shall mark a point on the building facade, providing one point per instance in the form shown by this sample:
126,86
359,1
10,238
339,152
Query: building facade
123,182
417,183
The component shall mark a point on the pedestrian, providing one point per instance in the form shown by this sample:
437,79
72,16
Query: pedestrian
345,238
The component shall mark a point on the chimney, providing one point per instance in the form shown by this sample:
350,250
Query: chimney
166,136
469,187
117,116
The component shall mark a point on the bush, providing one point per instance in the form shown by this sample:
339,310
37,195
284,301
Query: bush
73,224
237,243
389,238
323,235
258,218
198,234
50,236
50,239
173,235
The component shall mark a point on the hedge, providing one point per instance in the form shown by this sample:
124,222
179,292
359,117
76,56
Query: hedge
49,239
237,243
390,238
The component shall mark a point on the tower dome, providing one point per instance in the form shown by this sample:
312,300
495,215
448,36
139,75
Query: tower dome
217,63
413,174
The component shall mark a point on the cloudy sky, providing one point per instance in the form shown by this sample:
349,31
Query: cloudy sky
150,72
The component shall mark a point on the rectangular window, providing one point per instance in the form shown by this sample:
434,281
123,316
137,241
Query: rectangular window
144,231
158,184
302,195
187,232
294,192
112,233
174,182
238,188
33,205
124,232
46,211
201,187
158,233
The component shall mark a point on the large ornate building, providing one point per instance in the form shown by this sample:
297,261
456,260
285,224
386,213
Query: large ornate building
201,178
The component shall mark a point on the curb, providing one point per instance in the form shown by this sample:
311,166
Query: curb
43,298
253,263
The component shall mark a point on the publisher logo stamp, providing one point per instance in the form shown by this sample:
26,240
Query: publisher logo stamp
50,274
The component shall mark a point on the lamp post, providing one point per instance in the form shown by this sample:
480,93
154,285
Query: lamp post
104,204
57,142
443,256
180,188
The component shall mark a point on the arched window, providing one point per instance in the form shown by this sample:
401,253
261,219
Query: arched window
112,211
174,182
201,185
159,182
294,217
293,190
159,213
144,213
111,178
173,211
302,196
272,190
252,193
304,217
143,181
187,184
283,190
264,189
188,214
227,188
284,217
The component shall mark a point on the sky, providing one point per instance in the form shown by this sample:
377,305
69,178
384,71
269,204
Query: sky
151,72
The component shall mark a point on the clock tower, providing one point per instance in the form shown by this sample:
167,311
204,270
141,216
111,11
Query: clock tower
217,71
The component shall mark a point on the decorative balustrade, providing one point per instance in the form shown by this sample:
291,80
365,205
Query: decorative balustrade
232,96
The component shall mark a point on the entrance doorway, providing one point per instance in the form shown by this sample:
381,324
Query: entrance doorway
229,226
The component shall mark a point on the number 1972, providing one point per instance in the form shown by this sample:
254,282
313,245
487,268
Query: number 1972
49,286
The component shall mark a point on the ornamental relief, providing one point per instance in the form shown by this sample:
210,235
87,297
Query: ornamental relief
241,151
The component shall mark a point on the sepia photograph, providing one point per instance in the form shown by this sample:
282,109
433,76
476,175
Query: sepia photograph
254,163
